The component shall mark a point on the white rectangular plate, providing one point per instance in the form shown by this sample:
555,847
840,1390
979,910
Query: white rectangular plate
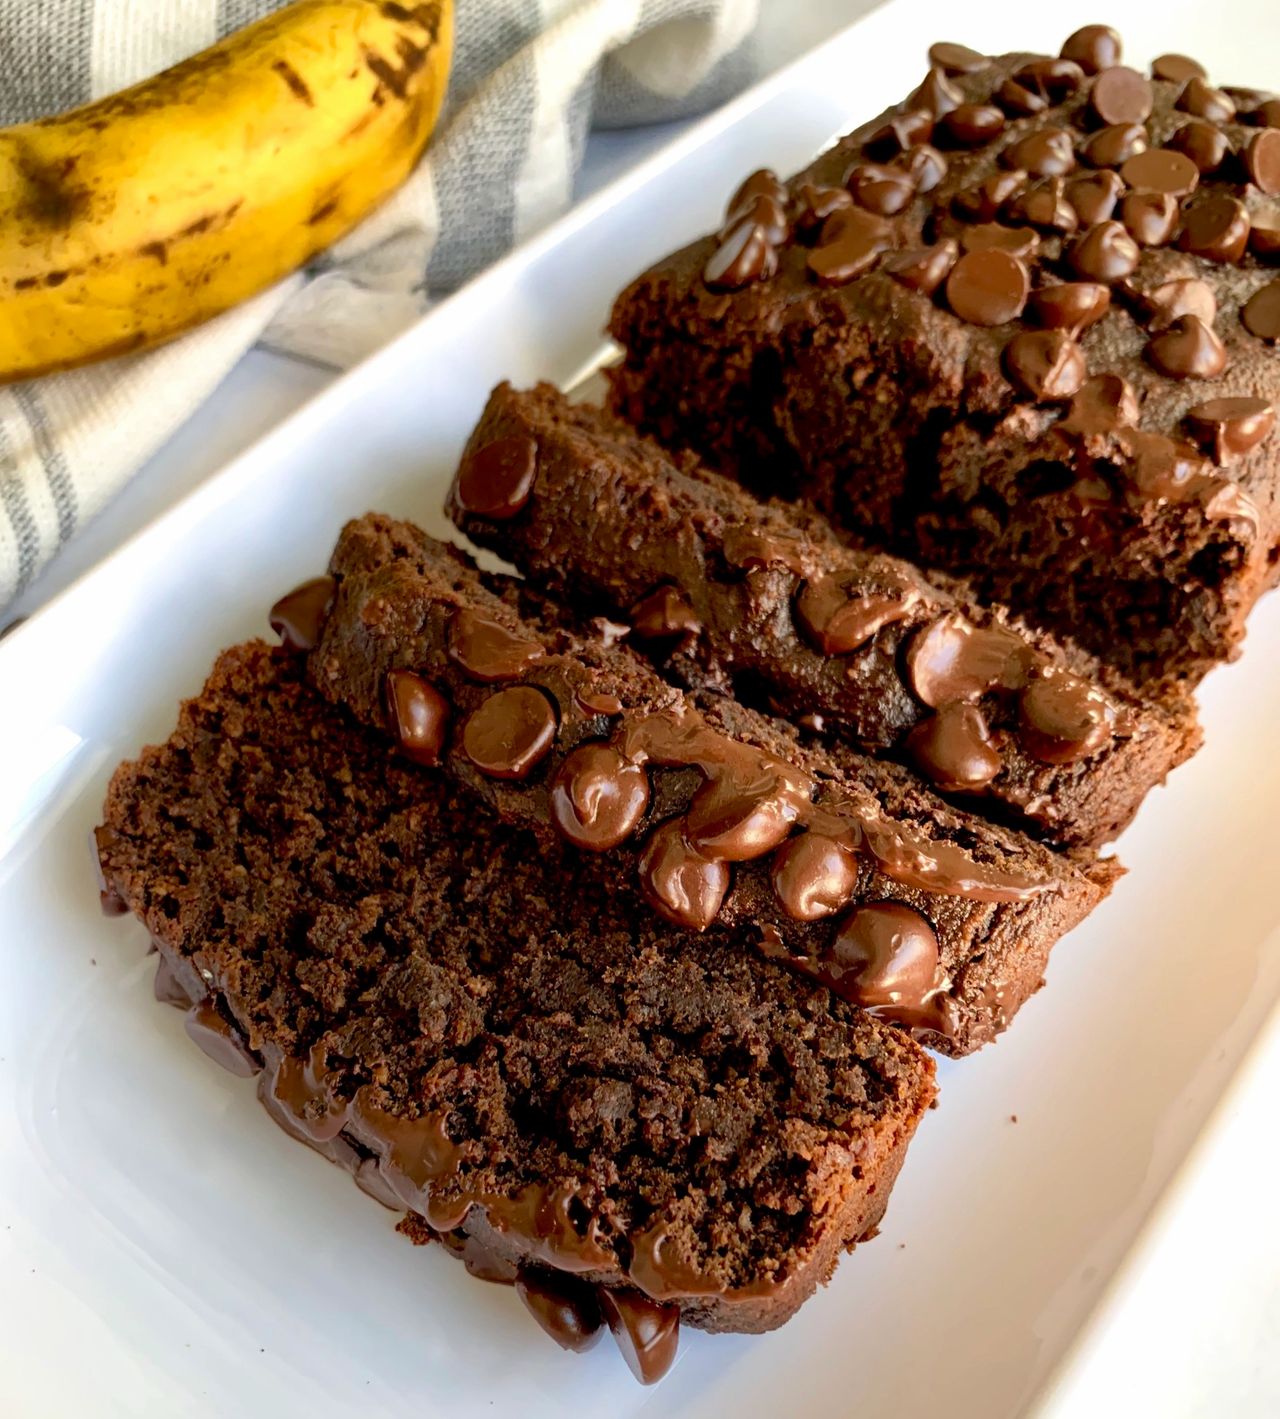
166,1250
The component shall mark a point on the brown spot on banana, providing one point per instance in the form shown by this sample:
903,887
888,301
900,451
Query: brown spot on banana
426,17
325,209
157,249
296,83
49,198
412,58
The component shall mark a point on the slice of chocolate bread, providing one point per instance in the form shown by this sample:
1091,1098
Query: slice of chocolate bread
764,599
847,867
634,1123
1021,327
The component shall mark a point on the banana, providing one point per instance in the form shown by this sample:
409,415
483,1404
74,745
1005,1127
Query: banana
133,218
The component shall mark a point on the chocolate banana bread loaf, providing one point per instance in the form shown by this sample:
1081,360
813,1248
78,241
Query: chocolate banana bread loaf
1021,327
764,601
634,1124
851,871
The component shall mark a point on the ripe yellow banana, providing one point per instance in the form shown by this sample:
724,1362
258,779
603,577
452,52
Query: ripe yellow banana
133,218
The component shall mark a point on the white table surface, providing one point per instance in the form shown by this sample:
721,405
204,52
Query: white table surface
1192,1328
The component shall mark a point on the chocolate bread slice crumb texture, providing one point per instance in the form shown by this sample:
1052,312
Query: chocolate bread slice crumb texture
1020,327
765,601
638,1125
719,812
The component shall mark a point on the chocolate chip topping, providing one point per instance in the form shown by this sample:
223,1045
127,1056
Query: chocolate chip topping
1046,364
925,166
923,268
954,660
764,182
886,954
1150,218
1106,252
956,58
851,243
1044,205
299,616
936,95
1021,242
745,254
1204,101
1070,305
1261,314
900,133
1176,68
1217,229
839,617
880,188
1188,349
1262,161
1095,197
487,650
988,287
1264,240
1104,404
982,202
972,124
664,613
1206,145
647,1333
1018,100
495,480
598,798
1121,95
1229,428
209,1028
1116,144
1065,718
1167,302
813,205
814,875
1093,48
953,749
510,733
566,1308
419,716
1162,170
684,887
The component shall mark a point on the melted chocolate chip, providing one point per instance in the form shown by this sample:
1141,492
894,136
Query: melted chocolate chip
732,820
744,254
486,650
1093,47
1173,299
510,733
982,202
679,883
887,955
566,1308
167,988
880,188
1105,252
1071,305
749,547
1052,79
813,205
1176,68
902,131
1121,95
1217,229
1261,314
839,618
664,613
1229,428
598,798
1162,170
954,660
957,58
768,214
1104,404
1064,717
1150,218
851,243
1188,349
953,749
1046,364
419,716
1116,144
1050,152
936,95
972,124
925,166
988,287
647,1333
299,616
1204,101
814,875
1206,146
1021,242
923,268
1094,198
764,182
1019,101
220,1039
1044,205
495,480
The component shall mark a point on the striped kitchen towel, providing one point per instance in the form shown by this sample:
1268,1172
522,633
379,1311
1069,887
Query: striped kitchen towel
529,79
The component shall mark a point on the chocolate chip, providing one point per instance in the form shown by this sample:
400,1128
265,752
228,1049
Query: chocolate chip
1106,252
730,821
510,733
1071,305
1065,718
1188,349
1046,364
924,165
682,885
1053,79
663,613
952,660
1204,144
1176,68
488,651
496,479
744,254
982,202
598,798
813,875
1162,170
419,716
972,124
1266,114
1044,205
1262,161
956,58
1161,468
953,749
1217,229
936,95
564,1306
647,1332
923,268
299,616
1121,95
1184,296
902,131
1204,101
1019,102
1261,315
988,287
1229,428
1047,153
879,188
207,1027
762,211
840,617
888,957
1264,241
989,236
813,205
1093,48
850,244
1094,198
1150,218
1109,147
1105,403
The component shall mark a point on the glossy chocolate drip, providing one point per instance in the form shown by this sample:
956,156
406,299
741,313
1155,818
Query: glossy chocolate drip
567,1310
220,1039
299,616
486,650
